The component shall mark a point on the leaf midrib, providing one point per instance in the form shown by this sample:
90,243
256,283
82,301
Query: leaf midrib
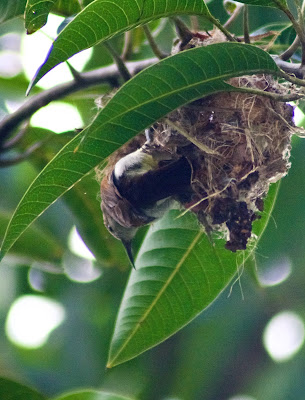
176,269
155,99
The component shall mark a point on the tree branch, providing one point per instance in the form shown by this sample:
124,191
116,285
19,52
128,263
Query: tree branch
288,53
85,80
290,68
91,78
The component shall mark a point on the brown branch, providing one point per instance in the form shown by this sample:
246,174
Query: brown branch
290,68
288,53
85,80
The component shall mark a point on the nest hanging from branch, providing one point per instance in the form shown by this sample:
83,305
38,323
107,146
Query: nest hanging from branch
236,144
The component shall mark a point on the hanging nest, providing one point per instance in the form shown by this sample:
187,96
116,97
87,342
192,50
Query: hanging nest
242,145
238,143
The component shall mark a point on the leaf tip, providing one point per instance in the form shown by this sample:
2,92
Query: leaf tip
31,84
41,71
2,254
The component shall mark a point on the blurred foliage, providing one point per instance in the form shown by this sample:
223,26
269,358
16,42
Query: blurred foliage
220,354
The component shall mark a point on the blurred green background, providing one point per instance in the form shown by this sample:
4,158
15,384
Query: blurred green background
249,345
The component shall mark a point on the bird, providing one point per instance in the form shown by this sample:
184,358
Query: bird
140,188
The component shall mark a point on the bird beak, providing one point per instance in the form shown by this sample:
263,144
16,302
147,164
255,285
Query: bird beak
128,248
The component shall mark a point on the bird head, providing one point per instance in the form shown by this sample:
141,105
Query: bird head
124,234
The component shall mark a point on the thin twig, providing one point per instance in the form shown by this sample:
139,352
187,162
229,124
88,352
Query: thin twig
289,68
8,162
9,144
194,23
128,43
298,25
270,95
246,25
123,70
222,28
153,44
108,74
191,138
292,79
206,198
234,16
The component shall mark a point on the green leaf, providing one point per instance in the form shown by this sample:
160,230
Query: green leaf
173,82
103,19
10,9
10,390
179,273
36,244
36,14
281,4
92,395
37,11
69,7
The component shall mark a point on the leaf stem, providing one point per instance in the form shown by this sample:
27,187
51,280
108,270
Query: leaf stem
10,143
246,25
119,61
8,162
221,28
157,52
270,95
292,79
127,50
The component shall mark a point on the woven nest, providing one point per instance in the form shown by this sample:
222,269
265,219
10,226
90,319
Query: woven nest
238,143
242,144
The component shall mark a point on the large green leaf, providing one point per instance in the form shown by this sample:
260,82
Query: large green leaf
173,82
10,9
179,273
281,4
69,7
10,390
103,19
92,395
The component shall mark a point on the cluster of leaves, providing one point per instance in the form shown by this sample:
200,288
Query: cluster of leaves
179,272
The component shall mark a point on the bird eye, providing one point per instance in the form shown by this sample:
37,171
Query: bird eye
110,228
